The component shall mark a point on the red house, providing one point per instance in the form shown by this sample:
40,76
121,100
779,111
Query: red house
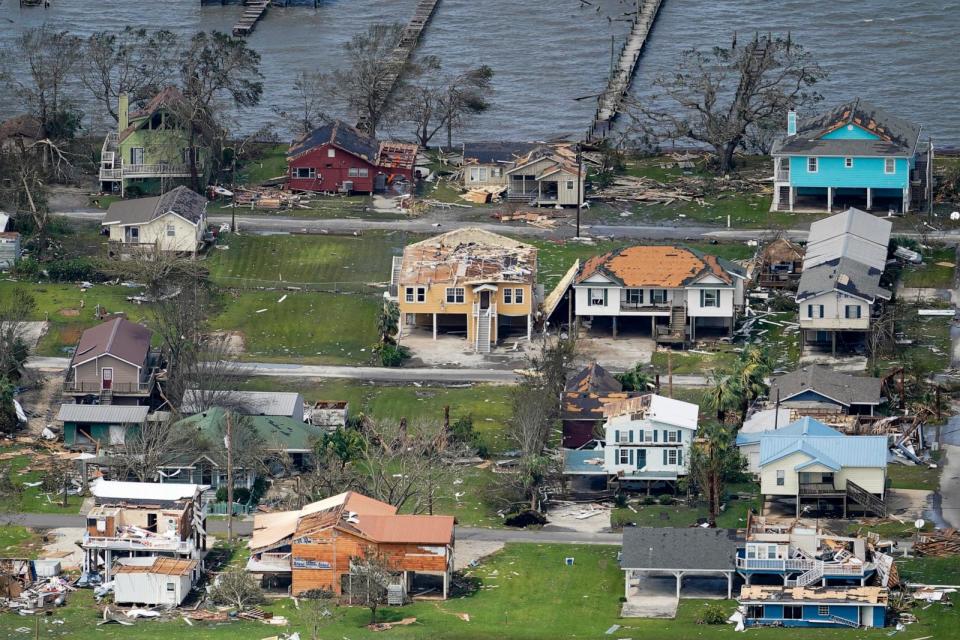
339,158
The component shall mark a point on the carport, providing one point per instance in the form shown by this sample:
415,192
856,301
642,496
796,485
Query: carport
694,551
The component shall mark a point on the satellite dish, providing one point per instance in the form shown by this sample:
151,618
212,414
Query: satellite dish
918,523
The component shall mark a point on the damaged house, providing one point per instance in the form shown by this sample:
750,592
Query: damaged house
143,520
779,265
814,606
485,164
581,406
671,293
314,547
839,291
467,282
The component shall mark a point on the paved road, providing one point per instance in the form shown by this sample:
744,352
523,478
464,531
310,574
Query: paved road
950,486
218,526
380,374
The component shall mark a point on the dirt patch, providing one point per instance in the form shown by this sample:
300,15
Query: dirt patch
585,518
62,545
469,551
42,403
69,313
234,343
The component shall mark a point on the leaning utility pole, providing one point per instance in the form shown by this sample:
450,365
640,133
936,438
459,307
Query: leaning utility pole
228,441
579,184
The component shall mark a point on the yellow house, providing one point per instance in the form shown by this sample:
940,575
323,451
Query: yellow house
174,222
467,282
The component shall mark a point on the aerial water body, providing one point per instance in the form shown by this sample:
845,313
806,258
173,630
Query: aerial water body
547,54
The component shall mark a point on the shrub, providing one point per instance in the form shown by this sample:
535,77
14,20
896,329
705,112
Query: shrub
26,268
622,518
462,431
667,500
712,614
648,500
75,270
392,355
620,499
240,494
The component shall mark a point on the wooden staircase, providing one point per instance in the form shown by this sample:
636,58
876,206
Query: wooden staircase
483,331
678,320
865,499
106,396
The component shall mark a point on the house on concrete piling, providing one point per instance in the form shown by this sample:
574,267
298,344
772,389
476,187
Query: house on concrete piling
827,607
855,154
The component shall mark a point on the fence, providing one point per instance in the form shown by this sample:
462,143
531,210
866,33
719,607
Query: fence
220,509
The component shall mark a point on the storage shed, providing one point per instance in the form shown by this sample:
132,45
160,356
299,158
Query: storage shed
154,581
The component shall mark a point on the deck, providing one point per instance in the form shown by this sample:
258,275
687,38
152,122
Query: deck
253,11
610,102
402,52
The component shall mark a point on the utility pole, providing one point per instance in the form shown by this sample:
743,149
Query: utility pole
228,441
579,184
670,372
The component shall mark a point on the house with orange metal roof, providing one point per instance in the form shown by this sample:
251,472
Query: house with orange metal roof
314,547
467,282
671,293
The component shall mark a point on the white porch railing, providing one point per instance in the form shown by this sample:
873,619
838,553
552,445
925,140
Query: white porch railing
153,543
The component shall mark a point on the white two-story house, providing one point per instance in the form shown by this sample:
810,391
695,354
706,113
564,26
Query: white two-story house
673,294
646,442
840,285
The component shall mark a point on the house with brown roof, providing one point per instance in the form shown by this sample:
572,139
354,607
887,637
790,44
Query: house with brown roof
112,364
467,282
779,264
20,132
314,547
173,222
671,293
150,151
546,177
581,407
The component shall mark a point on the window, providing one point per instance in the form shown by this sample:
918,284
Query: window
755,611
781,477
634,296
812,165
455,295
648,436
709,297
136,155
415,294
331,153
596,297
496,172
623,436
658,296
772,552
474,174
792,612
364,172
823,611
848,163
482,173
306,172
171,586
569,185
672,456
134,233
171,230
814,310
671,436
518,296
889,165
852,311
508,296
623,456
352,172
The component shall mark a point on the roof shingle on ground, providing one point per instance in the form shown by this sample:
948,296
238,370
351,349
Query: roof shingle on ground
468,256
656,266
684,549
119,338
181,200
843,388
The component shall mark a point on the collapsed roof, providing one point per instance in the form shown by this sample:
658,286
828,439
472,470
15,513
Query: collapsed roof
468,256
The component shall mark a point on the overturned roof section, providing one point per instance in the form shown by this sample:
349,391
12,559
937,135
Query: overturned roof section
657,266
837,595
692,548
120,338
894,136
842,388
182,201
341,135
162,567
468,256
660,409
397,155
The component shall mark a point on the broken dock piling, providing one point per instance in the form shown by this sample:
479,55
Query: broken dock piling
403,51
253,10
610,102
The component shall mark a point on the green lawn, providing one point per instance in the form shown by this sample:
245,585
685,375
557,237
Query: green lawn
931,274
252,260
271,162
34,499
890,530
930,351
734,515
489,405
931,570
18,542
685,363
317,328
915,476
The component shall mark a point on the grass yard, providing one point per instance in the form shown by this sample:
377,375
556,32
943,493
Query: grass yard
915,476
930,351
33,499
70,310
931,570
489,405
686,363
252,260
271,162
930,273
18,542
890,530
525,592
316,328
734,515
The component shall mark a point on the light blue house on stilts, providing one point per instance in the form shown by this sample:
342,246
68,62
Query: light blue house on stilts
855,155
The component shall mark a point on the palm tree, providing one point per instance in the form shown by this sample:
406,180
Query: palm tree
388,322
722,394
751,371
714,459
635,379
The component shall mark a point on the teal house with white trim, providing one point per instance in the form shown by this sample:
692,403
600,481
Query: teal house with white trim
855,155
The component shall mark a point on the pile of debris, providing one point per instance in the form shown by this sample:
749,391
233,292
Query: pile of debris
544,219
938,543
641,189
483,195
267,198
27,597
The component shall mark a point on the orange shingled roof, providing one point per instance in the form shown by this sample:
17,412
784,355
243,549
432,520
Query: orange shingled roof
407,529
653,265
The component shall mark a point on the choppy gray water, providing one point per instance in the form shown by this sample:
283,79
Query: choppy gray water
897,53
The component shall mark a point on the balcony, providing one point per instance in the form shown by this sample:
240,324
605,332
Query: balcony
819,489
162,170
148,543
660,307
144,387
792,564
782,175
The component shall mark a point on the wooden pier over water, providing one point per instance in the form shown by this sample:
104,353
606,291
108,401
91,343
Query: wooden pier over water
610,102
404,49
253,10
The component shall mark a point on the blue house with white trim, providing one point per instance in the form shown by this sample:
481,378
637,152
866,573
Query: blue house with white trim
854,155
855,607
